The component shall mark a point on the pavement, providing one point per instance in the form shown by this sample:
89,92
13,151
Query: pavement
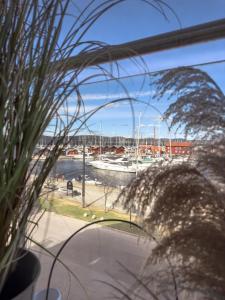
102,259
95,195
103,263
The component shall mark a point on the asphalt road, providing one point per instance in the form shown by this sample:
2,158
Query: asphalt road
102,259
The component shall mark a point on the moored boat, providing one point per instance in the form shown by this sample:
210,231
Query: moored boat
123,164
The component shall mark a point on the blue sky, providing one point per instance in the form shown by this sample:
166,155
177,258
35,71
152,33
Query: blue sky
131,20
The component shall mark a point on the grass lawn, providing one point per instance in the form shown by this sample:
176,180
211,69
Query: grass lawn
73,209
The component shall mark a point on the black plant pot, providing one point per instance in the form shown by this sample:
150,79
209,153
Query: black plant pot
21,281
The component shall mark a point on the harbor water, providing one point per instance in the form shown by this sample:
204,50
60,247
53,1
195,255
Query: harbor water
71,169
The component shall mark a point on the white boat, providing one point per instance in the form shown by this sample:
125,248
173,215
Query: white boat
178,160
121,164
80,156
88,180
113,166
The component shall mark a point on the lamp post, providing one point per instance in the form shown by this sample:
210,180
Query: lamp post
83,179
137,142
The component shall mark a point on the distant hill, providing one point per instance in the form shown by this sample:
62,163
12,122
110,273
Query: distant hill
108,140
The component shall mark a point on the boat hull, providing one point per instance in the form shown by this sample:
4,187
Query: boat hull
113,167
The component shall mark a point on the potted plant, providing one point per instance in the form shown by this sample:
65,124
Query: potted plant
183,205
38,84
37,39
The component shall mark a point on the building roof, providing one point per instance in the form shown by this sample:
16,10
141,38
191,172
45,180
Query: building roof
179,144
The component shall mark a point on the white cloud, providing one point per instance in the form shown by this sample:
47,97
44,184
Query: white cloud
113,96
111,115
71,109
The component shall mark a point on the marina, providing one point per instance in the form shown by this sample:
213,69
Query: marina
114,172
114,165
71,169
124,164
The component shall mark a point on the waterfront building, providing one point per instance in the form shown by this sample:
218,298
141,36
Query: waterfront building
179,148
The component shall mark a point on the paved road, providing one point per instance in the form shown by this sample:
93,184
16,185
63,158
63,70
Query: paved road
97,254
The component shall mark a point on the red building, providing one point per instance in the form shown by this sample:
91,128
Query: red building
120,150
107,149
150,149
179,148
71,152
